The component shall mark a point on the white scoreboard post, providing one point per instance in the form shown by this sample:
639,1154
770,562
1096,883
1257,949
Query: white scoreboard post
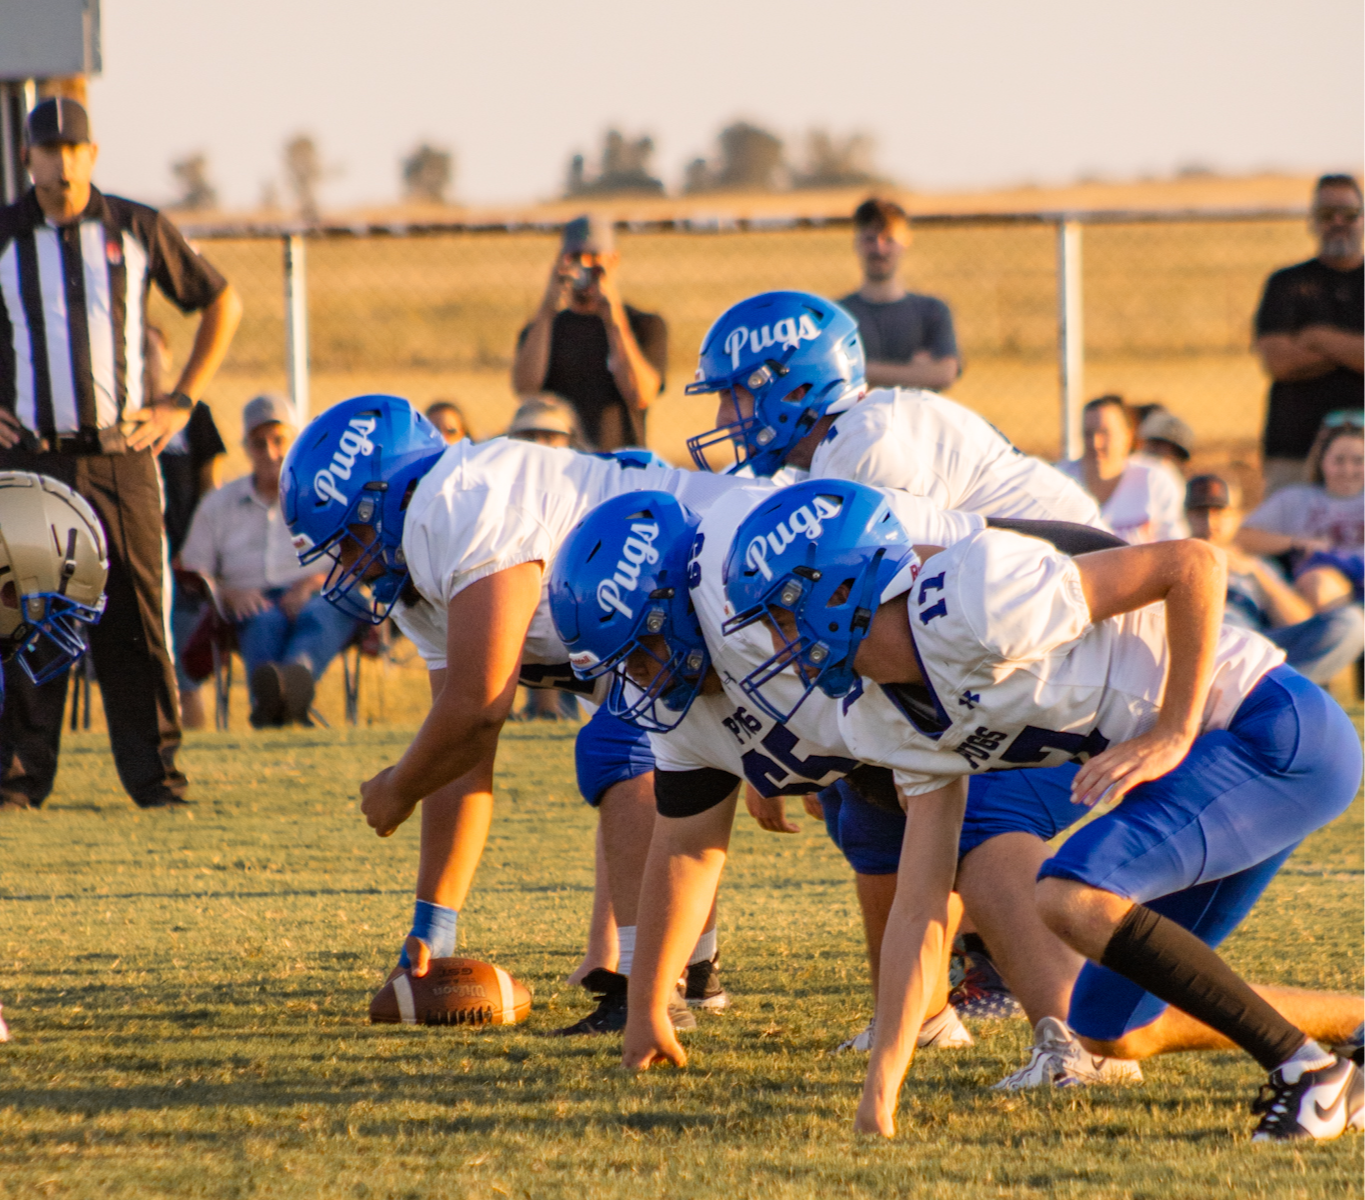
39,40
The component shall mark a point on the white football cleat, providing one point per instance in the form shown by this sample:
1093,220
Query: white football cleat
1310,1105
945,1031
4,1029
1059,1060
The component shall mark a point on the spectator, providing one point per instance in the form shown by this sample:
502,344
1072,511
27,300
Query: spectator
547,421
585,344
1320,525
1309,333
287,634
73,406
1317,645
449,419
908,337
189,471
1140,499
1165,439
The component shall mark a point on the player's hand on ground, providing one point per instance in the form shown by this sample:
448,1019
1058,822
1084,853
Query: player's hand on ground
10,429
385,810
769,811
874,1117
650,1040
1117,771
154,425
419,956
244,602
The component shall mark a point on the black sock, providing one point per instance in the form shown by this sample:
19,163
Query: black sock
1175,966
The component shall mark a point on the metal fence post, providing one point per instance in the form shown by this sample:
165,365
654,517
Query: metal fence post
1070,333
296,324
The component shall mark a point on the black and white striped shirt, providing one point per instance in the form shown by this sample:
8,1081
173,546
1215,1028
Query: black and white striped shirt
73,304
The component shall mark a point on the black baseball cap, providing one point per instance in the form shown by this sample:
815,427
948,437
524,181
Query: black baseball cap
1207,491
58,119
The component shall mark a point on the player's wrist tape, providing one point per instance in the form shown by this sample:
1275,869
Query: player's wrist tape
1177,967
435,925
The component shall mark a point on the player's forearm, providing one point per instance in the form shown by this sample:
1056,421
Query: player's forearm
922,371
532,358
1263,541
217,325
453,740
1286,606
1194,617
914,944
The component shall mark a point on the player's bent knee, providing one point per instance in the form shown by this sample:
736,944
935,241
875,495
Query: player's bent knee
1084,917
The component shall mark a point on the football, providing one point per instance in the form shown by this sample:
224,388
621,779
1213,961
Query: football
455,991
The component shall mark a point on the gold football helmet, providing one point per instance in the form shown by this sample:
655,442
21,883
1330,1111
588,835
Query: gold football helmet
53,564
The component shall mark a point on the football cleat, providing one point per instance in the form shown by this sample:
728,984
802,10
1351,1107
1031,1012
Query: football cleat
944,1031
1315,1106
1059,1060
609,1016
979,993
4,1029
703,988
1353,1047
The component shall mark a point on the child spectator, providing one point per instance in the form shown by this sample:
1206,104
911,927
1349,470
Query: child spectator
449,419
548,421
1317,645
1320,524
1139,498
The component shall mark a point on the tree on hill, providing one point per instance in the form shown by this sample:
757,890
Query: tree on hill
624,169
303,174
750,160
197,193
838,162
428,173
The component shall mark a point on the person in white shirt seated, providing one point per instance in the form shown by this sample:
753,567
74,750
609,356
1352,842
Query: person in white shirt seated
287,633
1140,499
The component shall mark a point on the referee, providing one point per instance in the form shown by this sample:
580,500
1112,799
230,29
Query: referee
75,270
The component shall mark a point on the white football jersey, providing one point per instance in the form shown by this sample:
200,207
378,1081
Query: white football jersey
488,507
1016,675
730,732
933,447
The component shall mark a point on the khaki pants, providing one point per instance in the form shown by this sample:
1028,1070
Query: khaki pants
1281,472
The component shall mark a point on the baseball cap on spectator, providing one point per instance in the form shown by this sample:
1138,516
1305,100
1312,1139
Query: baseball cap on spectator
1162,426
58,119
539,416
265,409
1208,491
588,235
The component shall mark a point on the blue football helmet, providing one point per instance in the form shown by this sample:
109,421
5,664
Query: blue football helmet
823,551
773,344
355,467
620,577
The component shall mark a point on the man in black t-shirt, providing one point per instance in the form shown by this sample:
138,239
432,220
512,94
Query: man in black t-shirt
590,347
1310,333
908,338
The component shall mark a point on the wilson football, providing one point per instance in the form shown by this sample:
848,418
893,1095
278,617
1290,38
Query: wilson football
455,991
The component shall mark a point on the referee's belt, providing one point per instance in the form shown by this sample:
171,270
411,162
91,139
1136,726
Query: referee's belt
82,442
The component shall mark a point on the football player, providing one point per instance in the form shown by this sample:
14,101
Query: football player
788,370
998,653
53,567
454,543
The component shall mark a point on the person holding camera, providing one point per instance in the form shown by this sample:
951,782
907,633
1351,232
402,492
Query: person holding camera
587,345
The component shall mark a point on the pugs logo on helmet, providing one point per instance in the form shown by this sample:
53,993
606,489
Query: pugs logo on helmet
353,443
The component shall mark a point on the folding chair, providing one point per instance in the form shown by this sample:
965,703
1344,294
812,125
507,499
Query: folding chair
210,647
369,641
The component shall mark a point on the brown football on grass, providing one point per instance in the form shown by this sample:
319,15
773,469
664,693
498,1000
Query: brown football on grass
455,991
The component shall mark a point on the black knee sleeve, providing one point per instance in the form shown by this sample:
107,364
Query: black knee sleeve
1175,966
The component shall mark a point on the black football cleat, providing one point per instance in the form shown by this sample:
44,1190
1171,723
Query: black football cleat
1317,1106
609,1016
704,989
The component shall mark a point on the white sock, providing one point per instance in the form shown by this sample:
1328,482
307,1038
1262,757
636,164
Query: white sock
625,943
1308,1057
705,949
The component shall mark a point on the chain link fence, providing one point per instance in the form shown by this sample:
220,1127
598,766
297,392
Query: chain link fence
434,311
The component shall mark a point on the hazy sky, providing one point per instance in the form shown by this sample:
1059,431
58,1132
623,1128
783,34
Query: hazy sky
958,93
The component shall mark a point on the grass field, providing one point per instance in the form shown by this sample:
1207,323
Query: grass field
187,995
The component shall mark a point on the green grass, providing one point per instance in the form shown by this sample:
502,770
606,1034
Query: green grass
187,995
